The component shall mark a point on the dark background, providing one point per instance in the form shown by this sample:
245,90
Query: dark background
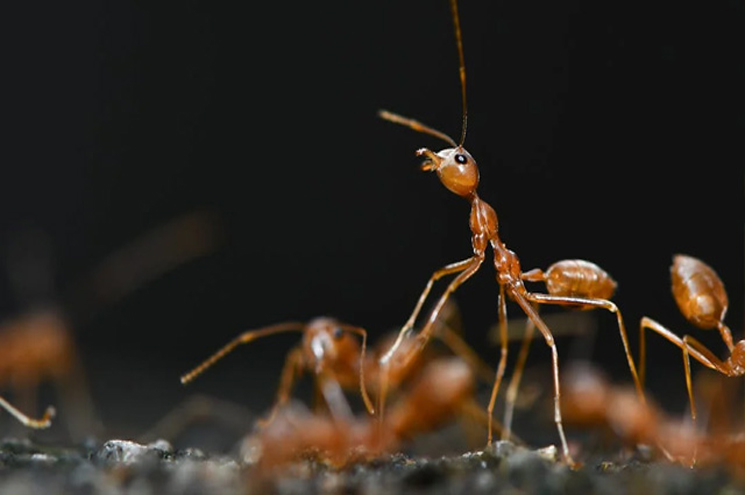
610,131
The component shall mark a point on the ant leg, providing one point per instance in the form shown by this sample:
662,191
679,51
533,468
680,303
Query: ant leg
524,300
688,343
363,385
511,396
502,310
700,353
691,347
334,397
468,268
38,424
292,368
604,304
458,266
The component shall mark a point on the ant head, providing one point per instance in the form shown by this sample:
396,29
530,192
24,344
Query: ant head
327,342
455,167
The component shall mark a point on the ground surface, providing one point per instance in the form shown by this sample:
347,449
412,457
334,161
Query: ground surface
125,467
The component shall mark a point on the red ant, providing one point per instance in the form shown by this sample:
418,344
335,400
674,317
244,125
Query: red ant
458,172
39,345
591,401
702,299
337,361
327,350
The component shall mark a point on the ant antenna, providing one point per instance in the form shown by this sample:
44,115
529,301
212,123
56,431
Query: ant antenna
418,126
462,69
244,338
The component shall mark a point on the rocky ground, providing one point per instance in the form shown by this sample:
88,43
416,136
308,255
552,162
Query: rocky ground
126,467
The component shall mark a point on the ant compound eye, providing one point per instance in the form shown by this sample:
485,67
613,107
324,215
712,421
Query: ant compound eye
338,332
461,158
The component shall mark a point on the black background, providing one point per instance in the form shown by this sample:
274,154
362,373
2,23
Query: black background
610,131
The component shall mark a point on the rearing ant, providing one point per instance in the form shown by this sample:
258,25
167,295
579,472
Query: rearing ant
458,172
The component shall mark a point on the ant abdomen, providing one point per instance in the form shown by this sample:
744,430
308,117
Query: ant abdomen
579,278
698,291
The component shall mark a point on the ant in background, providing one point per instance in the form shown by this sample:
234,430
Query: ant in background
337,361
458,172
592,402
441,392
327,349
702,300
38,345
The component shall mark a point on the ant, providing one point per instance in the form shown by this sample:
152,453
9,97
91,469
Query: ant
702,299
327,350
337,361
38,344
591,401
458,172
442,391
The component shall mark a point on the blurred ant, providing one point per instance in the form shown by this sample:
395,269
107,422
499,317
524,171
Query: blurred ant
440,393
702,299
337,361
327,350
39,345
458,172
592,402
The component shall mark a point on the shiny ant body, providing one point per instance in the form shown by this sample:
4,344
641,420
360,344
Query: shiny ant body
459,173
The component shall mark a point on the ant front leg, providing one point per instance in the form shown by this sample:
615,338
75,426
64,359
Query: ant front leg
458,266
467,268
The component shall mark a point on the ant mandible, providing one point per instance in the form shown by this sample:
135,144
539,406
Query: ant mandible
702,299
458,172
